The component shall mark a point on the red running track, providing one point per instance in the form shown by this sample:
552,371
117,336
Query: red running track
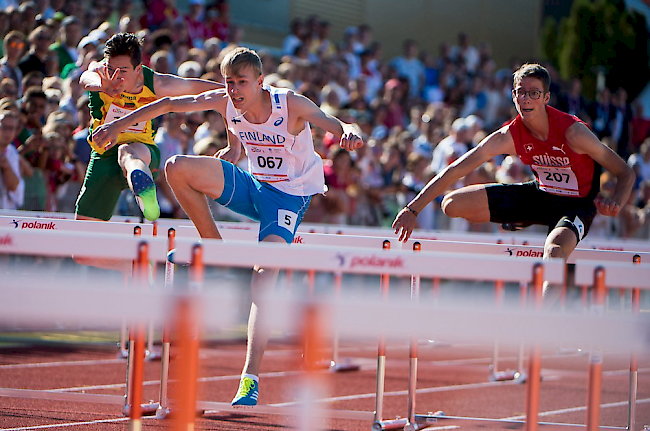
451,378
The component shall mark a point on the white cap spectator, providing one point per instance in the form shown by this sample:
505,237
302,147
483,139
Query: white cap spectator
189,69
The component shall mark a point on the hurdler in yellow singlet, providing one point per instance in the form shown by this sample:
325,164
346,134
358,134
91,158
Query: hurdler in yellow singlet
104,109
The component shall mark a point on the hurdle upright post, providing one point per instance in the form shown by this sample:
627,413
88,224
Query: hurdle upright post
128,402
634,366
138,329
384,281
596,356
534,361
186,366
163,406
413,348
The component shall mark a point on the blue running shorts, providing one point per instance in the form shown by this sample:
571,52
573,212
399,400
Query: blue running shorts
279,213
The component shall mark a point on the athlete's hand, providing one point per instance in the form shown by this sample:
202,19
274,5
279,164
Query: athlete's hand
228,154
404,224
105,136
110,84
351,138
607,206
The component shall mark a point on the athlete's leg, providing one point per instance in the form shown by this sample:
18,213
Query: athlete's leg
192,178
132,156
470,203
560,243
258,331
134,159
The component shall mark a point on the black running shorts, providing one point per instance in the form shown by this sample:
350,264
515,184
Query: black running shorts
525,204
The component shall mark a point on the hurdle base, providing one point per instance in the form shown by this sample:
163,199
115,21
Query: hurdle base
153,355
343,366
149,409
508,375
423,421
391,424
162,412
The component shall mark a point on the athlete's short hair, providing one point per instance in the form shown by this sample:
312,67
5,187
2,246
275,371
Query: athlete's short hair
124,44
240,58
533,70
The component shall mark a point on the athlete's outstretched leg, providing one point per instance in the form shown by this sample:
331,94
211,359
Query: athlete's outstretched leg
470,203
258,333
192,178
134,159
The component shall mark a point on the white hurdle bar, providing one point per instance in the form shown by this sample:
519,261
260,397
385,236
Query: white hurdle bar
520,238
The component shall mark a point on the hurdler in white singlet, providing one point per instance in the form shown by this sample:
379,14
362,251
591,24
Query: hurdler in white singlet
275,156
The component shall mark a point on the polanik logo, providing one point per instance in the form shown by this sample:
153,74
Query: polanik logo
278,121
15,223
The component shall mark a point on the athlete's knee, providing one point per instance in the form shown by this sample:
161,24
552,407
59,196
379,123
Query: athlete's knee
450,205
554,251
176,166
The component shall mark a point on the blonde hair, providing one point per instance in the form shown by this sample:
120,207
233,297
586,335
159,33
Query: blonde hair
240,58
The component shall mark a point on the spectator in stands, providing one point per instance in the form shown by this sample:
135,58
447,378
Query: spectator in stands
195,21
409,66
295,38
465,54
639,127
621,123
66,46
12,186
573,102
34,106
14,46
640,161
35,59
8,88
602,113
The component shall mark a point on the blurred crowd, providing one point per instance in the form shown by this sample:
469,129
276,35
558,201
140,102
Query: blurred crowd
419,111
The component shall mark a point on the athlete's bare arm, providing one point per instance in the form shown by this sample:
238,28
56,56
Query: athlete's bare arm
582,141
302,109
232,152
172,85
106,134
497,143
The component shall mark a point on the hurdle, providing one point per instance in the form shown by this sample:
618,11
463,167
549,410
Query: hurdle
237,254
604,275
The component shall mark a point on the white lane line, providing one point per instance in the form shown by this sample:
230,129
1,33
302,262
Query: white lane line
578,409
63,363
69,424
419,391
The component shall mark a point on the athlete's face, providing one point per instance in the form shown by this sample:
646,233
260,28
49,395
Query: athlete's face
529,97
120,68
244,87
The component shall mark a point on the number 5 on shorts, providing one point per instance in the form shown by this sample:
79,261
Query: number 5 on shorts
287,220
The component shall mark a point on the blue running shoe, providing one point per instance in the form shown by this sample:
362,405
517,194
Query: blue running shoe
144,190
247,394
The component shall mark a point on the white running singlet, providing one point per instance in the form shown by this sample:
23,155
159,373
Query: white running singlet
275,156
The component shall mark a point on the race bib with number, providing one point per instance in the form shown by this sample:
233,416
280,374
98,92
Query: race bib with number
287,219
268,162
557,180
115,112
